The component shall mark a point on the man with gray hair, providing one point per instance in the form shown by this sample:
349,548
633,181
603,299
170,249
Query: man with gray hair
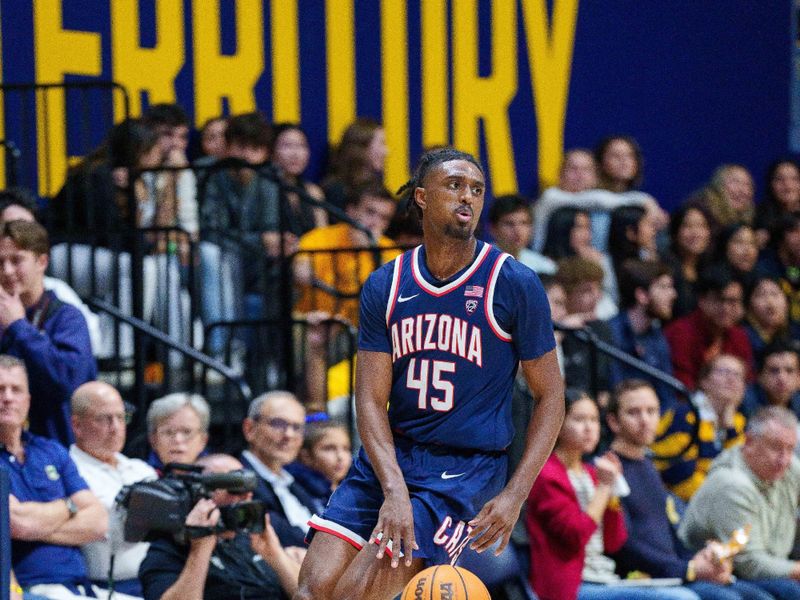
177,428
756,484
98,420
52,511
274,430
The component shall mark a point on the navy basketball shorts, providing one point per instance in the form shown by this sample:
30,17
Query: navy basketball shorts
447,487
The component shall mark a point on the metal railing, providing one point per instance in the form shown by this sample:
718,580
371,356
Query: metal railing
597,346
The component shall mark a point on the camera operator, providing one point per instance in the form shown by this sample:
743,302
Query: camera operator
229,564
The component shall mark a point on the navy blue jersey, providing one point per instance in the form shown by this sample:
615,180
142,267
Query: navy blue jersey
455,345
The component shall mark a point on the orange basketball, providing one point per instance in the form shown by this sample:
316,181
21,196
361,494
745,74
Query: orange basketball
444,582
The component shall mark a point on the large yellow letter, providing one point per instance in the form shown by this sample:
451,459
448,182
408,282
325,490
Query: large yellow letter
435,131
151,70
394,53
486,98
550,58
217,76
285,62
341,66
58,52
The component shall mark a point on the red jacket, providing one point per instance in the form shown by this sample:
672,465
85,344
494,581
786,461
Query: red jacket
689,340
559,531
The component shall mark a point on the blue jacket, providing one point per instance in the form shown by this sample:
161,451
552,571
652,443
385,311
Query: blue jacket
651,347
53,340
288,534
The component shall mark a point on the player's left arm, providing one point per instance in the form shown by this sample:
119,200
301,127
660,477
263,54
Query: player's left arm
496,519
525,313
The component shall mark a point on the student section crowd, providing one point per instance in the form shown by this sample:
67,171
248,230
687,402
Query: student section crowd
709,294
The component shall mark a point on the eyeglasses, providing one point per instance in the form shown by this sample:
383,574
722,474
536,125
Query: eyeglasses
110,419
282,425
184,432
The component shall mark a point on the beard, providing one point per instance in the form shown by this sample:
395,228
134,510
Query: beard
459,233
653,312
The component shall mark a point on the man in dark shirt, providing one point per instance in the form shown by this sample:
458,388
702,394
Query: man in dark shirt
223,565
652,546
646,296
778,382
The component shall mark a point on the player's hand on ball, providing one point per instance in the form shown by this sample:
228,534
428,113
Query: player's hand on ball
495,522
396,524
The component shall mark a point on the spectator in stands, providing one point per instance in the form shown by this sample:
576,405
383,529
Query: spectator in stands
573,517
580,279
782,260
50,336
219,565
332,264
177,428
632,235
690,437
690,235
240,217
274,432
511,226
212,140
17,204
52,511
729,195
767,313
757,485
652,546
569,234
174,193
324,459
778,382
359,159
619,162
736,246
646,299
782,197
290,154
712,328
577,188
91,215
99,417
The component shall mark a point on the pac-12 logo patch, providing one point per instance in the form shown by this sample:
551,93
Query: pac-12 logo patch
471,305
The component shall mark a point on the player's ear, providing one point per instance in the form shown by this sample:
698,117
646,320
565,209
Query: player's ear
419,197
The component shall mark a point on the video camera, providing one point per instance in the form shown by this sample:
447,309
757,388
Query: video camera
161,506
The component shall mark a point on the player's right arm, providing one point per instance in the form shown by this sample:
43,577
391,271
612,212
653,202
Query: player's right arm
373,387
395,520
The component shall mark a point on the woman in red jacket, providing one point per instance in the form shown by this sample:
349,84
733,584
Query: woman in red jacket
573,518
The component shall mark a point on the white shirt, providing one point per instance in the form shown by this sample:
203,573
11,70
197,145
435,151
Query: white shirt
296,512
105,482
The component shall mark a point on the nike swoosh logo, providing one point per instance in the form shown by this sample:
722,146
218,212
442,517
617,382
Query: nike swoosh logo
447,475
406,298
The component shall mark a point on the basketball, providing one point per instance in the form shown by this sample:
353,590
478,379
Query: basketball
444,582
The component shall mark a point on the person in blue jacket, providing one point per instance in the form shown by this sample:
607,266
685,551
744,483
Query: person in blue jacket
50,336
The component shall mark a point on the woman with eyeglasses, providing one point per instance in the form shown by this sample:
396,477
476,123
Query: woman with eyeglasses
177,428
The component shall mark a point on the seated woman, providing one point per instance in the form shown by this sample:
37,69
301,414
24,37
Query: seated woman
573,517
177,428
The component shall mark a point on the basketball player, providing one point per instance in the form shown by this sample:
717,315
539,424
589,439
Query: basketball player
443,330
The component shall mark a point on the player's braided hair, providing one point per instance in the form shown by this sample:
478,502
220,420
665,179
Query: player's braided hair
428,161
